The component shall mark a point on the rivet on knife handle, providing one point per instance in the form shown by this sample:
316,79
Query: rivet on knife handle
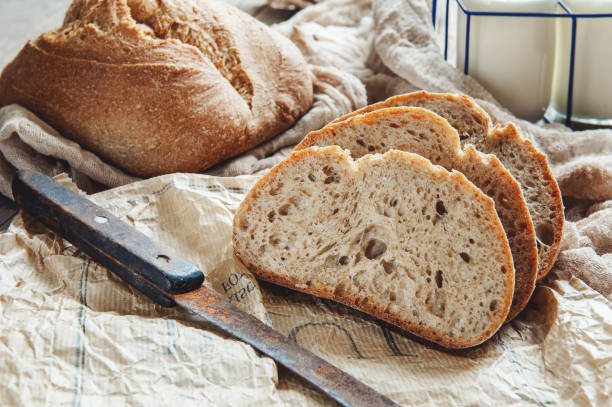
109,241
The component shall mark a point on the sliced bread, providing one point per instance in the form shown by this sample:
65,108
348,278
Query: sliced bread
391,235
423,132
526,164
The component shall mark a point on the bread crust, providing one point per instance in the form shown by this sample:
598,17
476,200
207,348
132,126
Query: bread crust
163,86
495,141
334,153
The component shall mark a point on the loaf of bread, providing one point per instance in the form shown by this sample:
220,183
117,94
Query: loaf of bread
160,86
391,235
526,164
423,132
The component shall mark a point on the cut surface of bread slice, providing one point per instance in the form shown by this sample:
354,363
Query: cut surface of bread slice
526,164
391,235
423,132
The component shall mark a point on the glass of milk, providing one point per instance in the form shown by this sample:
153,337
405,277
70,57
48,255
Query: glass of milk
592,87
513,57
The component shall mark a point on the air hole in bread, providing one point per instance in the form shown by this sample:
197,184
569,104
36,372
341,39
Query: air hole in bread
332,175
312,177
339,290
271,216
493,305
545,234
274,240
465,257
394,125
371,148
361,143
284,210
375,248
439,278
393,202
388,266
435,219
471,241
244,225
392,296
335,211
344,260
275,190
440,208
326,248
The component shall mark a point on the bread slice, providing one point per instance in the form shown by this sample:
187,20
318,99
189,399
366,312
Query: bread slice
423,132
526,164
391,235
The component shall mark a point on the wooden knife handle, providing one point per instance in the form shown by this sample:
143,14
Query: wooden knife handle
109,241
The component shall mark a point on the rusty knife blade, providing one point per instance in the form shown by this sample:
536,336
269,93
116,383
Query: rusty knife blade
170,281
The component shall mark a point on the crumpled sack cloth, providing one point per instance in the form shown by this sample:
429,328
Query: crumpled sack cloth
363,51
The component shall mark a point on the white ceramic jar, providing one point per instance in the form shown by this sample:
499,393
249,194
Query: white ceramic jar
513,57
592,90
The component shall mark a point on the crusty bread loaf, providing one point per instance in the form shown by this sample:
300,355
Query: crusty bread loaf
160,86
526,164
423,132
391,235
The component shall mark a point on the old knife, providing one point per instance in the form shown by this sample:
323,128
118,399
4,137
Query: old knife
171,281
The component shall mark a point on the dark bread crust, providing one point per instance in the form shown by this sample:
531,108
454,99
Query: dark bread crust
161,86
336,154
494,140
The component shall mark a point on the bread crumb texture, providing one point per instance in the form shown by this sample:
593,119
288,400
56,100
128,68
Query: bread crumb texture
526,164
391,235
